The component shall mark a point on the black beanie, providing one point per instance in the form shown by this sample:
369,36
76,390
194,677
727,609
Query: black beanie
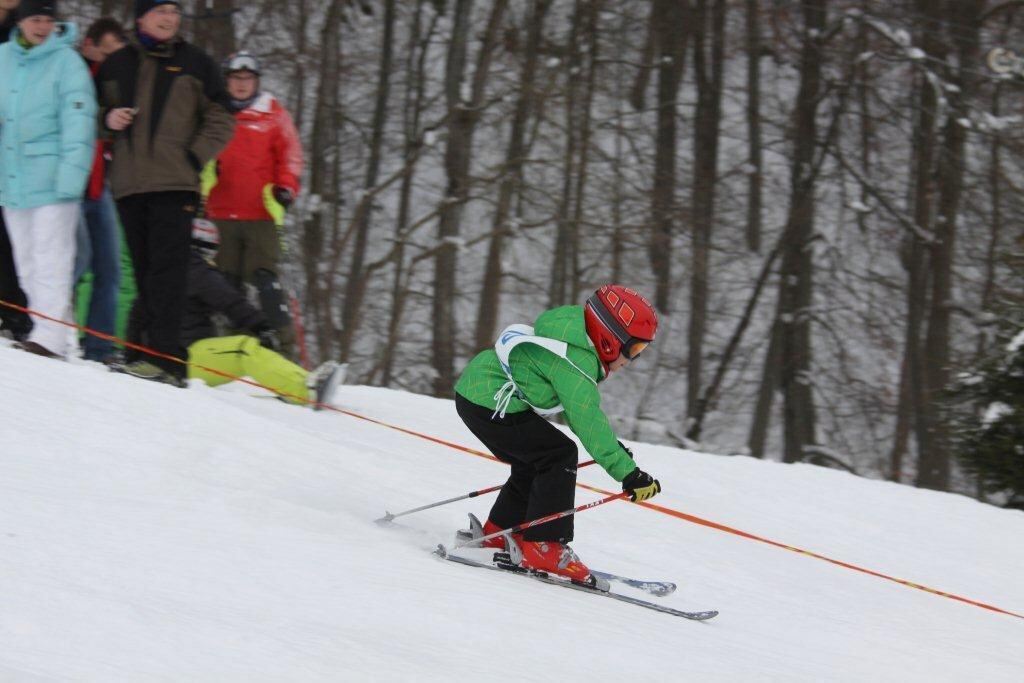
31,8
143,6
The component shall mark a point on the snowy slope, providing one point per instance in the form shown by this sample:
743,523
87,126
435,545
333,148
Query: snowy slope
154,534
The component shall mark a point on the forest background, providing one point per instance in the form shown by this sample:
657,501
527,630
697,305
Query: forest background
822,199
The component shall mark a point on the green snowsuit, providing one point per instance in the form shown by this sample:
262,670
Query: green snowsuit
545,380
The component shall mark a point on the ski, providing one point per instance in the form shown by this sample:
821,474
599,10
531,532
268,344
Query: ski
540,576
658,589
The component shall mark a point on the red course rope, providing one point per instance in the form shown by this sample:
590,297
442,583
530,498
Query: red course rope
465,449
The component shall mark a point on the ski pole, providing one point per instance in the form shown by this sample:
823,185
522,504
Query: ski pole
540,520
472,494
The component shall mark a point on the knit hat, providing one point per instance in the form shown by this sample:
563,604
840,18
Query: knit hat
32,8
143,6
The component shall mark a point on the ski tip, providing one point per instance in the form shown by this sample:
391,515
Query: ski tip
385,519
441,551
704,616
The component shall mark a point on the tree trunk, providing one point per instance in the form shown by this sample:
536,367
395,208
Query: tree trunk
754,153
766,393
708,397
412,110
592,10
672,26
910,407
710,29
355,286
512,174
934,461
796,285
463,116
564,258
214,27
323,180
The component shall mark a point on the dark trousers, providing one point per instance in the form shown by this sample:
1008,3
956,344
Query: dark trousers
249,253
17,322
543,461
158,230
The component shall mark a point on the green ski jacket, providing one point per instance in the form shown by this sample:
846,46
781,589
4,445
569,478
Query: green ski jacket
545,380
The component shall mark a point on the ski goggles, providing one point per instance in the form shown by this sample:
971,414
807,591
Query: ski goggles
242,62
634,347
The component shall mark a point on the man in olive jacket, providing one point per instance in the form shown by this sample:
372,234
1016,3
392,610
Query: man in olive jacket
163,102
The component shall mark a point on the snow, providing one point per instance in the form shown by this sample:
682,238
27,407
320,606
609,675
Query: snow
151,533
994,412
1016,343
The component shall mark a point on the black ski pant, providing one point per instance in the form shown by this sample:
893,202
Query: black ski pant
543,461
158,230
17,322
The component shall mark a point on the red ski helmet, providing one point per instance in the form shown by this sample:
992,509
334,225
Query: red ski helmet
619,322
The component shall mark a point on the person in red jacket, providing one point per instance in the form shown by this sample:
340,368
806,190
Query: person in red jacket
250,186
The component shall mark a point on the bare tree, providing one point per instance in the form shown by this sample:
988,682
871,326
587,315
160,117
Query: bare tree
463,116
797,276
934,458
708,45
511,180
755,173
671,26
324,178
214,27
355,284
581,59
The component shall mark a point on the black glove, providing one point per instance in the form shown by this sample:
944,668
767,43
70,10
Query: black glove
641,486
628,452
283,196
269,338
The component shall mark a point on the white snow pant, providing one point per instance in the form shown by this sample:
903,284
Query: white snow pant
43,243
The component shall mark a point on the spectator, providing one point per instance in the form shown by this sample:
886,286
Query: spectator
48,109
8,18
12,322
164,102
257,178
99,248
253,355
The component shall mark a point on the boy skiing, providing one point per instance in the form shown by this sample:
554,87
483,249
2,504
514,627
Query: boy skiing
542,370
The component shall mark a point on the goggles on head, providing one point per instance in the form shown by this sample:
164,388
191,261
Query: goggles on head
242,61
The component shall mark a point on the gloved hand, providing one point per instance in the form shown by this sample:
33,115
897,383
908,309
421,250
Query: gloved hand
274,206
283,196
269,338
628,452
208,177
640,485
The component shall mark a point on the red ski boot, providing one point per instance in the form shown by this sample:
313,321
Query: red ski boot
476,530
496,542
554,558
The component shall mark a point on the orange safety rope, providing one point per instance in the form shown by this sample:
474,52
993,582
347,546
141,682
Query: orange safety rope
465,449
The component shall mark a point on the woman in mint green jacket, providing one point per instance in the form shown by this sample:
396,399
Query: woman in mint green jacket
47,139
552,367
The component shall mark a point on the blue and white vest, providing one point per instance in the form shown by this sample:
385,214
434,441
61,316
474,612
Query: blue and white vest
511,337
